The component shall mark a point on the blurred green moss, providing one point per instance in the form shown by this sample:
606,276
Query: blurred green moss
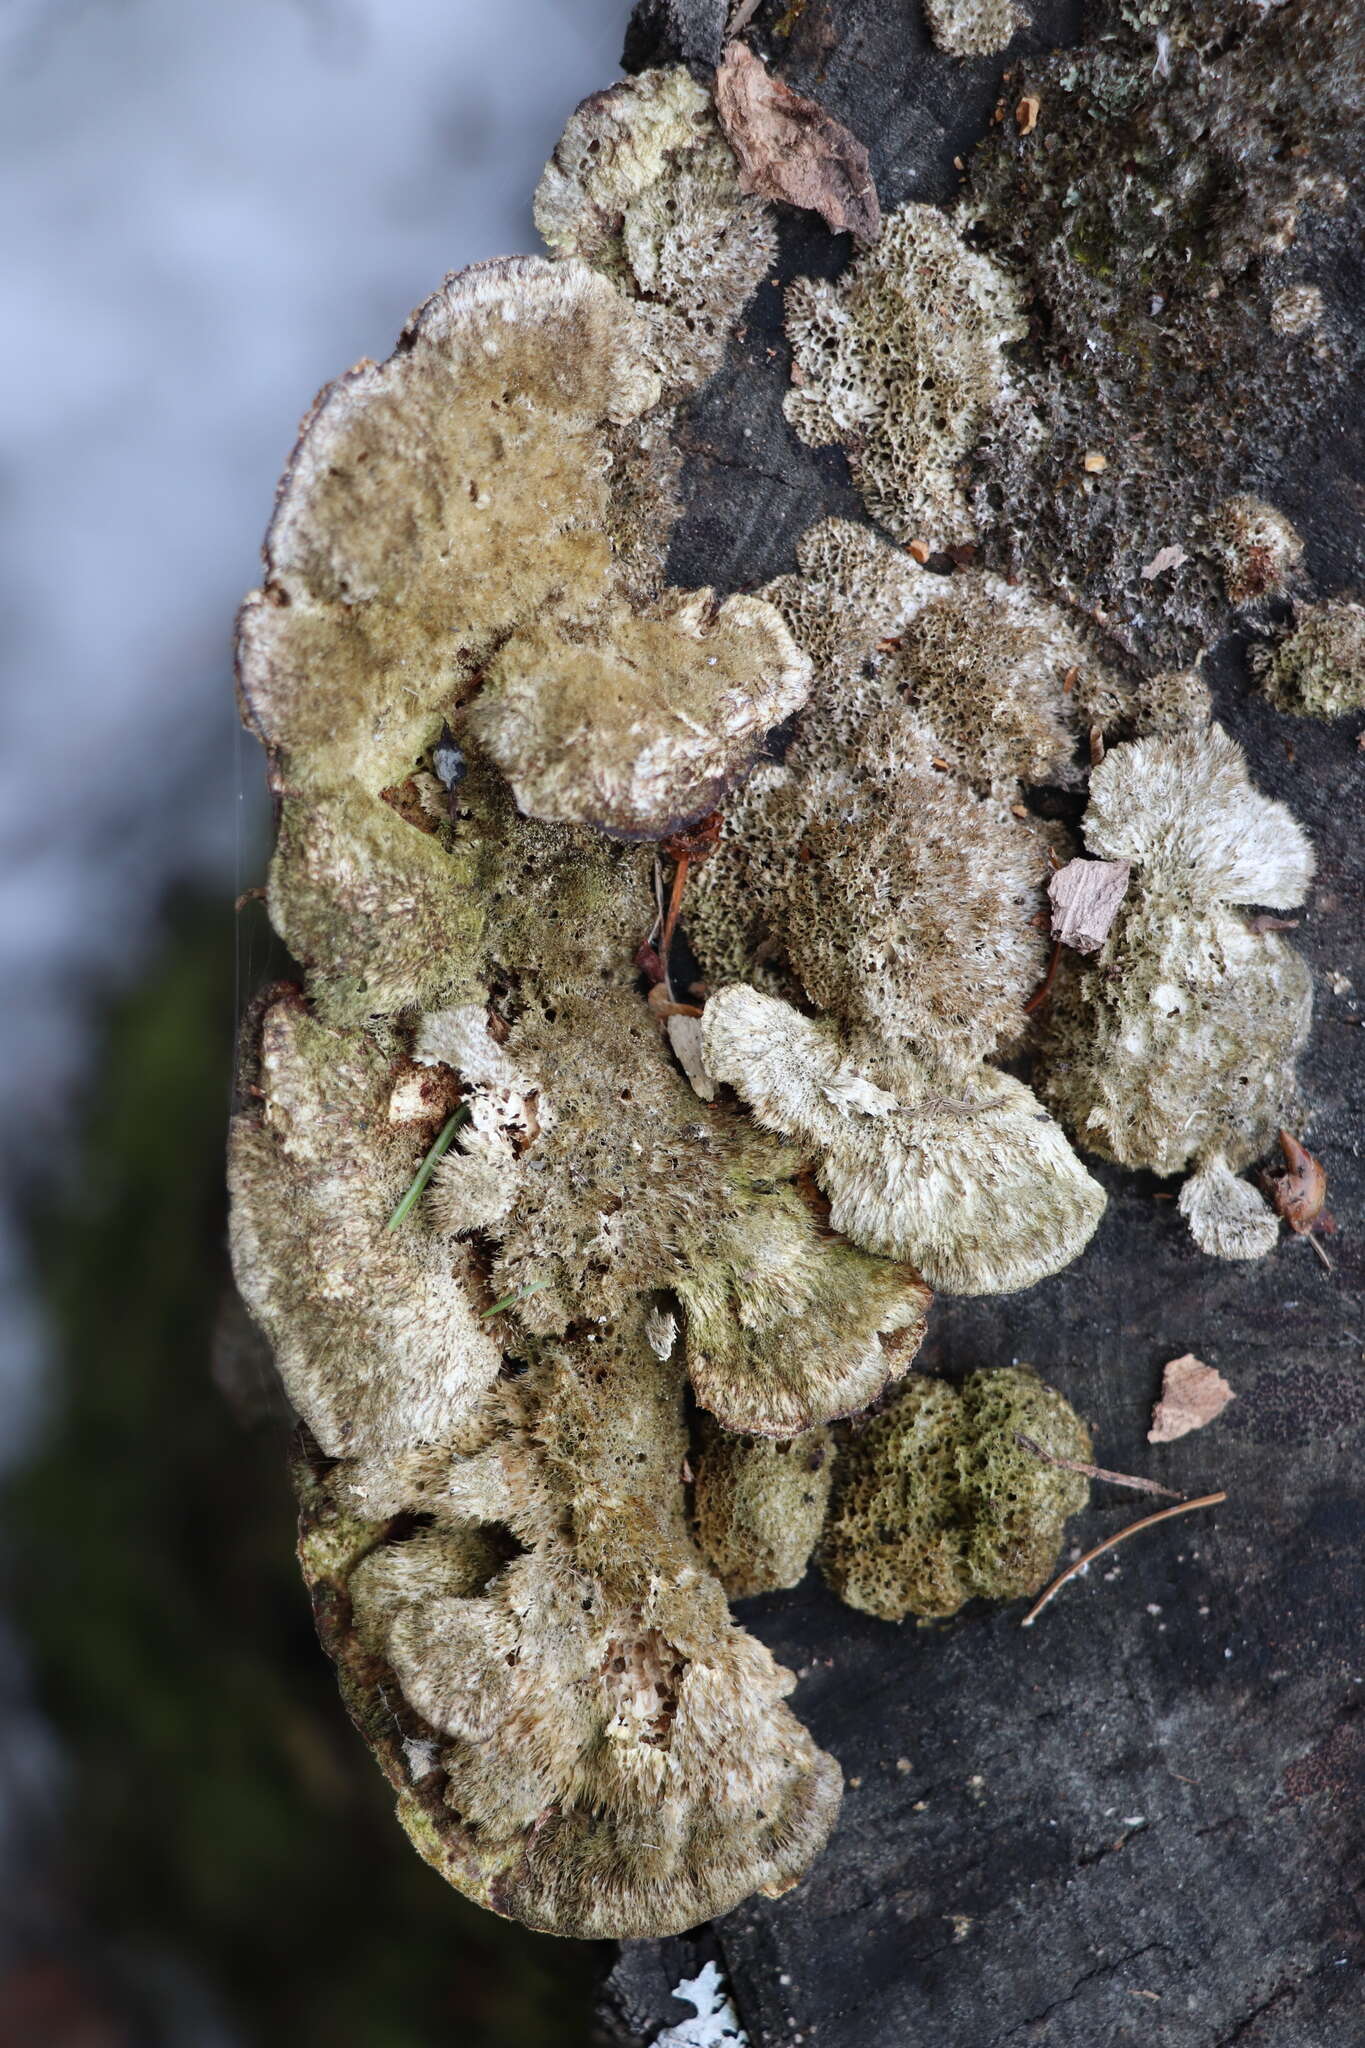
220,1810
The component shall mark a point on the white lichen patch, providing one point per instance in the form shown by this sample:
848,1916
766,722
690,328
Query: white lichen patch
1177,1048
644,186
902,361
973,28
1296,310
1317,670
970,1182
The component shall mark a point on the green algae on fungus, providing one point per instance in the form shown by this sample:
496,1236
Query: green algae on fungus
936,1502
759,1505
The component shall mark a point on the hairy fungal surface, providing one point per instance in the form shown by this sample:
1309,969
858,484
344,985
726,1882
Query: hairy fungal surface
580,1250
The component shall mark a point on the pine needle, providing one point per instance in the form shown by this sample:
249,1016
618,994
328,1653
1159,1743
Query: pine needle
517,1294
1205,1500
428,1167
1094,1471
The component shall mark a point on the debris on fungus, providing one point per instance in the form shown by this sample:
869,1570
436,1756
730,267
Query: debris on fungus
1085,897
977,1188
789,148
759,1506
1317,670
936,1502
973,28
901,361
1176,1049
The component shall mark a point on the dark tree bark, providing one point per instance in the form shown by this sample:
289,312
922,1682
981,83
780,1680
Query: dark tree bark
1144,1818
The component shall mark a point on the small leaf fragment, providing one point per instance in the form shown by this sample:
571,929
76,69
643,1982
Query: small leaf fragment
1300,1191
1192,1393
1164,558
789,148
1085,896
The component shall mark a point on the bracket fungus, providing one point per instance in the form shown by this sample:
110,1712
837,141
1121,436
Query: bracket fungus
533,1249
936,1502
1176,1049
978,1189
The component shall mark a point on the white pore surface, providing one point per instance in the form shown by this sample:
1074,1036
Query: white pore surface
206,210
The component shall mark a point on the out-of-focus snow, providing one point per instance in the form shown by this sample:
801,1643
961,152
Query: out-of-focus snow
206,212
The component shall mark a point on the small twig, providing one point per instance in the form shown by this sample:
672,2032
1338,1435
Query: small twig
1041,994
674,904
517,1294
1095,1471
1205,1500
425,1170
1316,1243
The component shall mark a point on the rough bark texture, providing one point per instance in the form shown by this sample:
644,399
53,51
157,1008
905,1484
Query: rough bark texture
1144,1818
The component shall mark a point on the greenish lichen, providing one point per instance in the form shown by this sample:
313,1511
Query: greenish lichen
1317,670
937,1502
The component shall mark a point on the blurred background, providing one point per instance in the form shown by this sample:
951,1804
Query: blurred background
208,210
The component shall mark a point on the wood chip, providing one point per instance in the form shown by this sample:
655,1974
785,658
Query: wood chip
684,1035
1026,113
1085,897
1095,462
1164,558
1192,1393
790,148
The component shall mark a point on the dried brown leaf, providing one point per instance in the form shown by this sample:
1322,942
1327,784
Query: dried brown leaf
790,148
1192,1393
1085,896
1300,1191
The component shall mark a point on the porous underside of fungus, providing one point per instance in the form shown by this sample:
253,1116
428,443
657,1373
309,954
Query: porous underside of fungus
759,1505
937,1502
1317,670
901,361
1176,1047
973,28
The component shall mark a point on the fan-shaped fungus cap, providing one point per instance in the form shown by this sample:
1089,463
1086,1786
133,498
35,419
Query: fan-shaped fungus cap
936,1501
642,723
1179,1045
1184,810
617,1758
978,1188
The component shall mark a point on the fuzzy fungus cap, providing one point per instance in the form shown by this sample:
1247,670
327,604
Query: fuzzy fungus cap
644,186
902,361
376,1337
1318,669
976,1187
759,1506
645,722
1178,1046
936,1502
616,1757
1257,548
